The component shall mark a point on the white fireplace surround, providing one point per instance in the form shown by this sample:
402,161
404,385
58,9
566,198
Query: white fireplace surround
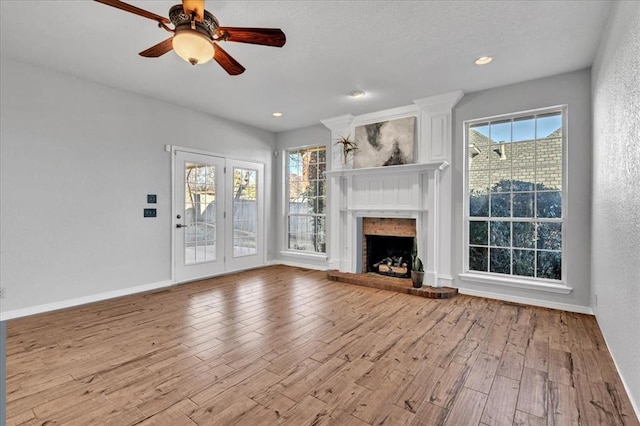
409,191
421,191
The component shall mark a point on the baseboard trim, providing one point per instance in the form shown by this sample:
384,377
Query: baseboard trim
70,303
445,281
64,304
527,301
334,264
634,405
298,265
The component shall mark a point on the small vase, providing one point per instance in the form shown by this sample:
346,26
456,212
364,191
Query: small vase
416,278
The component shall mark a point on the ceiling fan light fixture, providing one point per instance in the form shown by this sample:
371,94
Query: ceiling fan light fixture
193,46
195,31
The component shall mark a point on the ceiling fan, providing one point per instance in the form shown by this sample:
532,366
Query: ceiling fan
197,34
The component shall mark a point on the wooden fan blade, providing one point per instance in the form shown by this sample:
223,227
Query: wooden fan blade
225,60
135,10
196,6
262,36
159,49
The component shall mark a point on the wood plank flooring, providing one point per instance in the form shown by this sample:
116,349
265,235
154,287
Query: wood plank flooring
282,345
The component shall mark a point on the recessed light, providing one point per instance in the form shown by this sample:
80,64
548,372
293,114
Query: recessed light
357,94
277,114
483,60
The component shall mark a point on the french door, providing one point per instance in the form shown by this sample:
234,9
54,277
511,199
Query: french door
218,215
245,213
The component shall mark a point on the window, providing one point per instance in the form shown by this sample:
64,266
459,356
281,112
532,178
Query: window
245,212
514,192
306,199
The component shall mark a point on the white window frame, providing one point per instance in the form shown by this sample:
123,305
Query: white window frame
285,235
510,280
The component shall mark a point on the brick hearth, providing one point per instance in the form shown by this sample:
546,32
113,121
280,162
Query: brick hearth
400,285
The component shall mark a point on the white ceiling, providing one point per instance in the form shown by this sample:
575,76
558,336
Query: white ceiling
396,51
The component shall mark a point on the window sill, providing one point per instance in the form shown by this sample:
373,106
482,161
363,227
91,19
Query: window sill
517,283
304,255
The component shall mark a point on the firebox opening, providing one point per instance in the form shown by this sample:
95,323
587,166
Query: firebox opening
389,255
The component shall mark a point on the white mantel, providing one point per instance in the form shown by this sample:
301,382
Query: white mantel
406,191
421,190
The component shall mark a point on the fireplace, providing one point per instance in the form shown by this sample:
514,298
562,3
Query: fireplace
387,244
421,191
401,201
388,255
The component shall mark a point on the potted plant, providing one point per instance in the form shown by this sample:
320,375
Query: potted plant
417,269
348,146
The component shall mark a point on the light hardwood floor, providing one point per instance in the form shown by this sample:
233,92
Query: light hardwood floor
283,345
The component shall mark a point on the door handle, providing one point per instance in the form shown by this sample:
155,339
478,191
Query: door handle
179,225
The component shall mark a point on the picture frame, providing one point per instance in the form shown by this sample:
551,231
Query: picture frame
386,143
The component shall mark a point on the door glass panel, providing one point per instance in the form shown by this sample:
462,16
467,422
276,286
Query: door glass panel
245,212
199,213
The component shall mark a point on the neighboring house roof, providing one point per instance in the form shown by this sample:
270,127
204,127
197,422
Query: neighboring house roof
556,134
478,138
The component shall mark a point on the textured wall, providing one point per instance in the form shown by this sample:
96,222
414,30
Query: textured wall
76,162
572,89
616,190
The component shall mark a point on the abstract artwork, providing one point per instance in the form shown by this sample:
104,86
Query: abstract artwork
388,143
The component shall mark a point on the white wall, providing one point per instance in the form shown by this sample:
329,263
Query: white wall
77,160
307,136
615,256
572,89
